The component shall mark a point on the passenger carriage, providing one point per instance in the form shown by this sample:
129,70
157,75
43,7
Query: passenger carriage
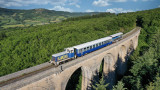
88,47
116,36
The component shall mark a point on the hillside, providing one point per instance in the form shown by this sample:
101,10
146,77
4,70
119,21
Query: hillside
21,18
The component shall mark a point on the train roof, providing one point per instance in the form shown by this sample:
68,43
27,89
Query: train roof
92,42
59,54
117,34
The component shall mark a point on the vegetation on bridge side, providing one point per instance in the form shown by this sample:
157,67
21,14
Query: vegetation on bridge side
144,65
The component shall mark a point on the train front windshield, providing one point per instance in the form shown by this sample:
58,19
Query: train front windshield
53,58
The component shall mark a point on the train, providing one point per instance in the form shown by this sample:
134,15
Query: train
85,48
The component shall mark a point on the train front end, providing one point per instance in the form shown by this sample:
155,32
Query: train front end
62,56
59,57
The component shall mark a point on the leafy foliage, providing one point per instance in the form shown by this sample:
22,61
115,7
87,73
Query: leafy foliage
101,85
2,35
155,85
119,86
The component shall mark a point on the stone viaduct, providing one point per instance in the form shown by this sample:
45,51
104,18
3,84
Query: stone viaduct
114,56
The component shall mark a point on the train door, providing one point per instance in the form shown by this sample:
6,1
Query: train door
81,51
75,53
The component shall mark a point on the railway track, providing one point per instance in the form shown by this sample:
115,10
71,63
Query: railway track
24,75
131,32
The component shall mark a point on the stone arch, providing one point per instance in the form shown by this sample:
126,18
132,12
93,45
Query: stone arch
74,79
67,77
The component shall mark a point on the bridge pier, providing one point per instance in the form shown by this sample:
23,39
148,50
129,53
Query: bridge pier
109,69
86,78
121,62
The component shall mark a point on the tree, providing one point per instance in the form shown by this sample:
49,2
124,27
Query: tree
100,85
2,35
119,86
155,43
154,85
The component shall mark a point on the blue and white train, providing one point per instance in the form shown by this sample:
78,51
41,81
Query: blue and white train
82,49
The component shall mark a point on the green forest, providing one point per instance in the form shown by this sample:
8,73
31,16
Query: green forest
22,48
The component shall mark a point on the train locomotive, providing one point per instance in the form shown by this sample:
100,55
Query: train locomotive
82,49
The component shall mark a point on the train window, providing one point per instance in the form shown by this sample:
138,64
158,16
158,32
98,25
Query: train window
106,41
96,45
80,51
93,46
99,44
102,43
87,48
90,47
